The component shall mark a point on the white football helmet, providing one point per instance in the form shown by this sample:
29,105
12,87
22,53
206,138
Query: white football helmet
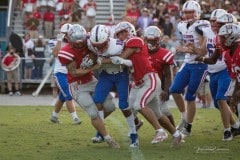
99,38
191,6
226,18
229,34
77,36
121,26
77,33
214,15
99,34
65,27
152,36
217,13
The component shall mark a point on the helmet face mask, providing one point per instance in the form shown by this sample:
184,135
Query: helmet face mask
101,47
152,36
125,26
153,44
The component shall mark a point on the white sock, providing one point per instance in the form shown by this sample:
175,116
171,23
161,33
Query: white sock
227,129
176,134
101,114
183,115
74,115
160,130
131,124
54,114
107,137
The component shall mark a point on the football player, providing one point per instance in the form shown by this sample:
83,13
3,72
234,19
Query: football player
81,80
111,76
146,88
220,78
192,73
161,60
60,75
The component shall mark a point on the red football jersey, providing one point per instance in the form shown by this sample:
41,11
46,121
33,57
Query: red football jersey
228,61
67,54
234,61
140,60
160,58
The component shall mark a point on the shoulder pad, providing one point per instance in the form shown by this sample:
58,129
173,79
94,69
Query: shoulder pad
135,42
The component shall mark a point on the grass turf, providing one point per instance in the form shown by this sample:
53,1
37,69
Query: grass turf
27,134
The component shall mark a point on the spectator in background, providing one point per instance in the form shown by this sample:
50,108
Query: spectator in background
38,63
76,14
111,26
89,9
65,19
64,11
29,55
48,23
167,26
206,13
144,20
132,13
8,62
32,26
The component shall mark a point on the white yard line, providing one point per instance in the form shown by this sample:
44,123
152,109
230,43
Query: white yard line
136,153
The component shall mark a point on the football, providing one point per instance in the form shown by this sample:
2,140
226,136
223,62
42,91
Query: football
89,60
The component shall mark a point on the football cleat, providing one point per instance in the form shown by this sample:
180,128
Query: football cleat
235,131
77,121
181,124
159,137
187,129
177,140
54,119
227,136
112,143
134,140
98,138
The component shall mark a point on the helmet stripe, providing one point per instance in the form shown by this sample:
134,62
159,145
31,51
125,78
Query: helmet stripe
97,33
186,4
215,13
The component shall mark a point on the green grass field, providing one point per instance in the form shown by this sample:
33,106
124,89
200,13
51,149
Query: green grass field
27,134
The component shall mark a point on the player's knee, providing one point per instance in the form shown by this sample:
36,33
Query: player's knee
109,106
166,111
190,96
92,111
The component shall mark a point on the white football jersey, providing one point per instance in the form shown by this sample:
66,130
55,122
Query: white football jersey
220,64
189,35
115,48
58,66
